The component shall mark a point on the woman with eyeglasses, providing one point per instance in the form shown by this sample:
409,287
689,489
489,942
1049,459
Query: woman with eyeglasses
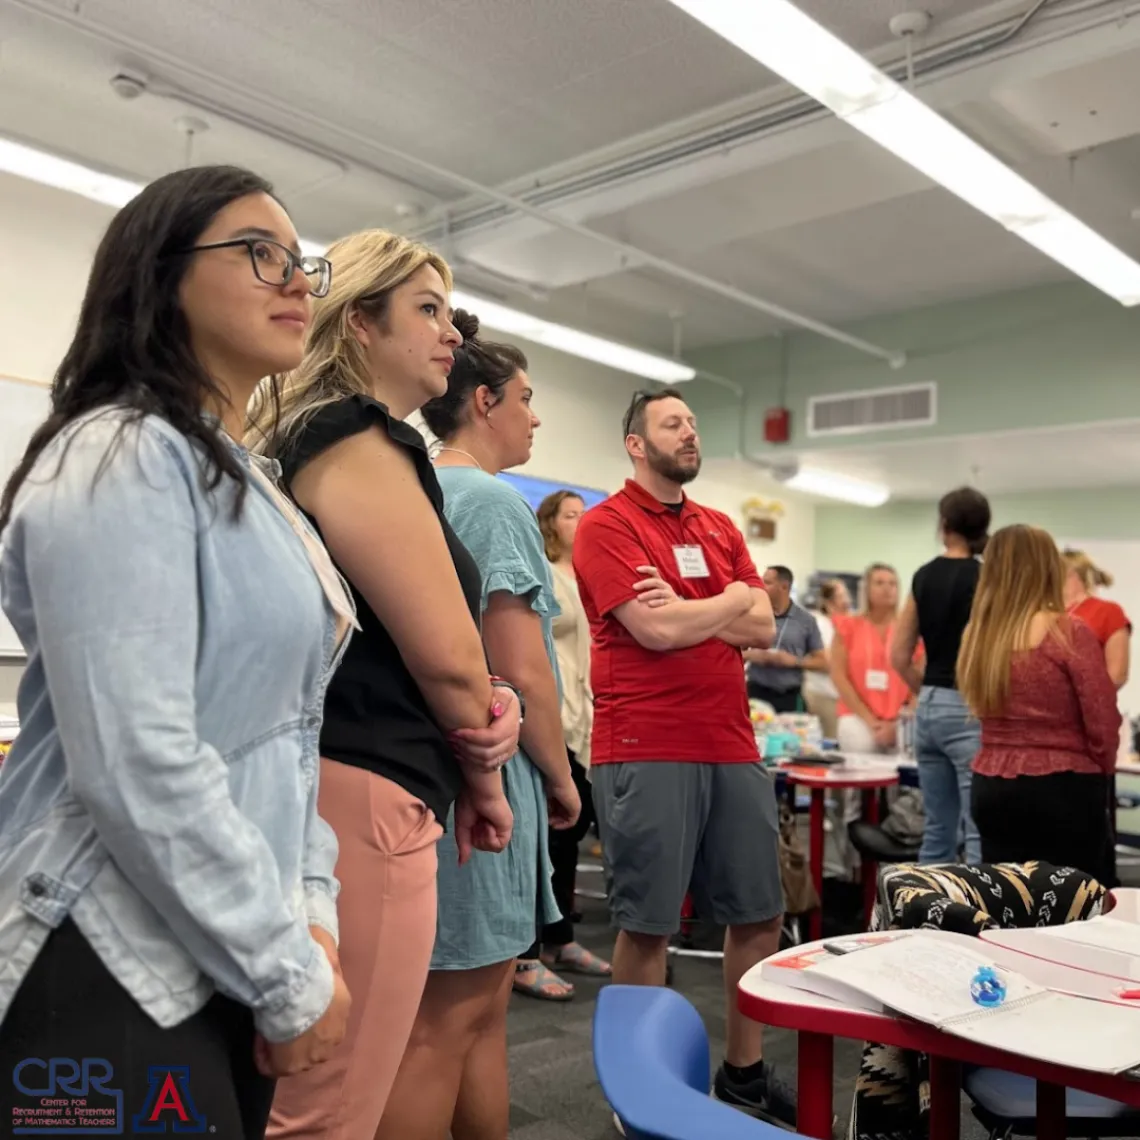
414,725
166,886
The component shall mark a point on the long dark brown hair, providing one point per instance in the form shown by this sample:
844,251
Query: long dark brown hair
131,347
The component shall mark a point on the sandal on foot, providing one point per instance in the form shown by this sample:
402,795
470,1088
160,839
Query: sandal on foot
574,958
534,979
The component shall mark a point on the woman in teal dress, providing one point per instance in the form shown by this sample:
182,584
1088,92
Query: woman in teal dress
492,907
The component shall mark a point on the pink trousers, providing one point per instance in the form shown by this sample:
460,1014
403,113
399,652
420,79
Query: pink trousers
387,910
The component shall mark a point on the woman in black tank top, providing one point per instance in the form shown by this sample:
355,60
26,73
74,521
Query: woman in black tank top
947,737
412,722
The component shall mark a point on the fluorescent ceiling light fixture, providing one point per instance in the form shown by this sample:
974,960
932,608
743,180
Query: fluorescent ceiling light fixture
833,486
1068,240
798,49
573,341
50,170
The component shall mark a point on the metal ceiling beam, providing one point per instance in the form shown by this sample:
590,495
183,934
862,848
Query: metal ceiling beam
744,128
744,142
74,19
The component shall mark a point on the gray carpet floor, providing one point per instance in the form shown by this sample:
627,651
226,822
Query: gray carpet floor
554,1094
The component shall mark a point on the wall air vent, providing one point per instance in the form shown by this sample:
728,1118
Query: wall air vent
878,409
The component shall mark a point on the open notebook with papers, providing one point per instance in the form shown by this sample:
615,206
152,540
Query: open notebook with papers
928,978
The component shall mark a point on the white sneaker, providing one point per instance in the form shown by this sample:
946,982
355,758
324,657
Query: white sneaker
618,1125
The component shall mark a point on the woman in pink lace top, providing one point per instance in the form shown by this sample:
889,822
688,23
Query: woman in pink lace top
1050,726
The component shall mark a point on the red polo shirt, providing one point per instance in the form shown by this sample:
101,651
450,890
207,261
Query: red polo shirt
686,704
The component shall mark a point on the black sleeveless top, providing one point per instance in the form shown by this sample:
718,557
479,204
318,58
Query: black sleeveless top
943,592
375,715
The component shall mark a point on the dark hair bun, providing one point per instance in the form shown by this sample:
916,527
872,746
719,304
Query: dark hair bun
467,324
478,363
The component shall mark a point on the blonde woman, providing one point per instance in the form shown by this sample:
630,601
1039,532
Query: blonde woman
413,724
1035,677
871,692
1106,619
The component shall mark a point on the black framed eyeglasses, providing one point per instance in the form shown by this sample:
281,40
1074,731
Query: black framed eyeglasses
275,264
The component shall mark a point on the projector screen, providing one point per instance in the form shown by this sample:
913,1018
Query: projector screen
534,490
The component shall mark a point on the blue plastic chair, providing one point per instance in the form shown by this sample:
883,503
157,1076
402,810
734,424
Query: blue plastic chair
1006,1104
651,1054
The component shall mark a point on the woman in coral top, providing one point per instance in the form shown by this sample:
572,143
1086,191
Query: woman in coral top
1106,619
1036,679
871,693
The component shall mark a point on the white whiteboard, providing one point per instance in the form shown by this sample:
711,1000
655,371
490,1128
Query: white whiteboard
23,407
1121,559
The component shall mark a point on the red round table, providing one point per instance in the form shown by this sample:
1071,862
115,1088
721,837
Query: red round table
869,777
819,1020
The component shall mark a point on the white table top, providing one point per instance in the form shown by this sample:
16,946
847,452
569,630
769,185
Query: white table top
1126,909
902,763
752,983
791,1008
857,766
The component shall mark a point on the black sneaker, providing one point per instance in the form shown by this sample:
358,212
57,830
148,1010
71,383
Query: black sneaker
767,1097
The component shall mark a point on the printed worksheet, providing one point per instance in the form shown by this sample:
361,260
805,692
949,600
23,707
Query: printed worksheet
924,978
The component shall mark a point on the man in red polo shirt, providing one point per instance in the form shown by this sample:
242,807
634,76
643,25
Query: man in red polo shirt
683,802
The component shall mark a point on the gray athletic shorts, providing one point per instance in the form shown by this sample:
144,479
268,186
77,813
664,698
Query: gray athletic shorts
668,828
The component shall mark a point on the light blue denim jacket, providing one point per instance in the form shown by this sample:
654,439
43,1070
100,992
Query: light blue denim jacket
163,787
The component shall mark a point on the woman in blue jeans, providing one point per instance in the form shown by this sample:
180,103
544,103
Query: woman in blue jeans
947,737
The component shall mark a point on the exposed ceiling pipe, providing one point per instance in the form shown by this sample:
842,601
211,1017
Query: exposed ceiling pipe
741,406
641,258
798,109
76,20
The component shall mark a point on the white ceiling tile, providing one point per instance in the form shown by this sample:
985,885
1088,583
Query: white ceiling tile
866,24
500,90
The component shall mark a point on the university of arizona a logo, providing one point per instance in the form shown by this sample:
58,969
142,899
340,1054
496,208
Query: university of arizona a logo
169,1106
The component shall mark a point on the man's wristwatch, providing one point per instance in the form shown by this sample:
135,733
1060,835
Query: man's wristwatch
499,683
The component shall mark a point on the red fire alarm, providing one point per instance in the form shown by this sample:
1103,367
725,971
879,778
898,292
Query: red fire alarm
777,425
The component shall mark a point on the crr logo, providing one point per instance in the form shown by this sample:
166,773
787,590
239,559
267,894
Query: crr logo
168,1101
64,1075
59,1077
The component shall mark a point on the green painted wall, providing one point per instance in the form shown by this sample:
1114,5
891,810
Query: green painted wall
1049,356
904,534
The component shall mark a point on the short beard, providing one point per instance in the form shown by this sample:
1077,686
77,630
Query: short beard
668,467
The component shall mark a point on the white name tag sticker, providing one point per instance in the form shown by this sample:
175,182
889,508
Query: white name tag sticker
877,680
691,562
